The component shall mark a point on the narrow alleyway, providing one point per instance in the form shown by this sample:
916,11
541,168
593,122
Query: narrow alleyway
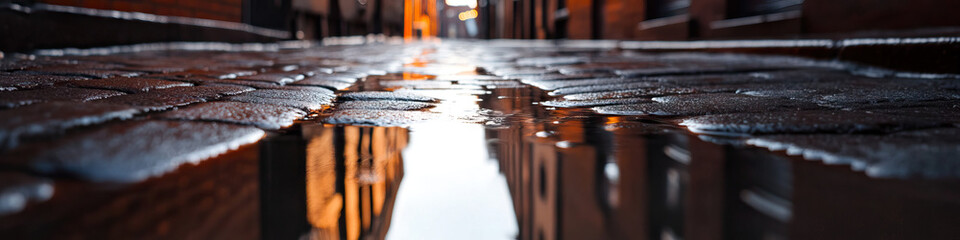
504,139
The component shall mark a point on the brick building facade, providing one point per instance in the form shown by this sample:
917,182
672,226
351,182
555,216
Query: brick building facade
224,10
717,19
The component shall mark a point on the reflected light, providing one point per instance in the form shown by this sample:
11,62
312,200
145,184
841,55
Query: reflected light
468,15
361,205
467,3
420,19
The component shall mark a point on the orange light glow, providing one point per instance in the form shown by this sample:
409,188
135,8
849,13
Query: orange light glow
372,169
420,15
468,15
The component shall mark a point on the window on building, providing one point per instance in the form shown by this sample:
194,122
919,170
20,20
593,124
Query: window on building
666,8
746,8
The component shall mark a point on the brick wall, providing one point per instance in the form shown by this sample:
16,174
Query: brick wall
224,10
620,18
579,23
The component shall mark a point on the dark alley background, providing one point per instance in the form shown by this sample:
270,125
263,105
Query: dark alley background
39,24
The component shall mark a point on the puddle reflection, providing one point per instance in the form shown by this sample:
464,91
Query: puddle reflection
452,188
540,173
578,175
352,176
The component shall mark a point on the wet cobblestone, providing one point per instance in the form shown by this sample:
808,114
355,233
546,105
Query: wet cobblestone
260,115
128,85
142,114
55,117
15,81
11,99
133,151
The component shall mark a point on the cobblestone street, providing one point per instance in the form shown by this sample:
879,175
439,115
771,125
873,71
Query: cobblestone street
198,134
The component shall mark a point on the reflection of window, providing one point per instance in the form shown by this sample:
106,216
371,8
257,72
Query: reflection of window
746,8
666,8
560,17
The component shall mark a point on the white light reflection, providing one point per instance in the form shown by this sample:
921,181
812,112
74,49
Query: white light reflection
450,188
466,3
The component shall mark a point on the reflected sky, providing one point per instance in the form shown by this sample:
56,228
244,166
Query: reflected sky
451,189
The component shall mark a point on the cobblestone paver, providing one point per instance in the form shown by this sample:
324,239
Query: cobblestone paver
134,150
126,117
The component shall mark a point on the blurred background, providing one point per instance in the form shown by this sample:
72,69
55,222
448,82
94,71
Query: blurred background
32,24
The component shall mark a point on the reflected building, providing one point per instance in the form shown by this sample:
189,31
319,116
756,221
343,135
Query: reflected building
310,182
352,176
576,175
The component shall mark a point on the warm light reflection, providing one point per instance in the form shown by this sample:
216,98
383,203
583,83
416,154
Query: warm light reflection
613,120
420,19
371,170
464,3
468,15
416,76
419,60
324,203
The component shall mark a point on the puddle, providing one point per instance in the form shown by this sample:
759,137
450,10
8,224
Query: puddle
451,188
331,182
501,162
515,169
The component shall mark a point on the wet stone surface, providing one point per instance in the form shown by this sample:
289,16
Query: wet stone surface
18,189
384,105
141,117
275,78
24,97
153,101
15,81
323,82
553,85
609,82
261,115
82,71
307,99
54,117
608,87
808,121
634,93
377,95
929,153
134,151
377,117
129,85
704,104
207,80
594,102
310,94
